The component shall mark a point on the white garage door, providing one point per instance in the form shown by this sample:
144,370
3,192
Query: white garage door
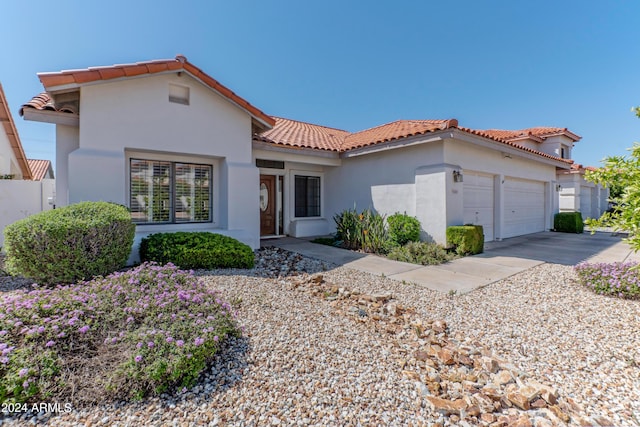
478,202
523,207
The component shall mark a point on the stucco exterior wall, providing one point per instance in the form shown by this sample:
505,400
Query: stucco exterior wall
8,161
135,115
387,182
479,159
19,199
579,195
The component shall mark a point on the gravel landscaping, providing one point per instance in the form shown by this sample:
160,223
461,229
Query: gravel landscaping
310,356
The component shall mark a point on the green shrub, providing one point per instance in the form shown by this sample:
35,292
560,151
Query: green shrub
71,243
196,250
423,253
133,333
466,239
361,231
403,228
568,222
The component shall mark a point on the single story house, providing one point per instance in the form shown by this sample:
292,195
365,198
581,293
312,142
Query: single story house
13,161
26,185
184,152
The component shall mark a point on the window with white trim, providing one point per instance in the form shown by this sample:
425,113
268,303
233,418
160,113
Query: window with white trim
169,192
307,196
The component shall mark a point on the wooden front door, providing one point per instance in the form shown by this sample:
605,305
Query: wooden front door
267,205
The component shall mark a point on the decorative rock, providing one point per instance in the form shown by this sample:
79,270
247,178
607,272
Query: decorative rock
519,400
503,377
488,364
316,278
488,418
445,406
558,413
439,326
445,356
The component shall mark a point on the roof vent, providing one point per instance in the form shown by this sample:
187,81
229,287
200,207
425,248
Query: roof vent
181,58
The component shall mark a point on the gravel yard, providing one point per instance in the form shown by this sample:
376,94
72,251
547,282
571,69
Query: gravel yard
302,361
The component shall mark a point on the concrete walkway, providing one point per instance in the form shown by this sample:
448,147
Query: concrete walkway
499,260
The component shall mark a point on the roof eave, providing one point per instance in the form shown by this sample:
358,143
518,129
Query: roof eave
423,138
505,147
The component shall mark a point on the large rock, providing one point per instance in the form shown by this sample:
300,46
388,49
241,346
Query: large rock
445,406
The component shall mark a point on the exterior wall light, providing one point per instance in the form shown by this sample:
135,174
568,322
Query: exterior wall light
457,176
558,187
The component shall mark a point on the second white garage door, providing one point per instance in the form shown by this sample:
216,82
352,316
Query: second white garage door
478,202
524,207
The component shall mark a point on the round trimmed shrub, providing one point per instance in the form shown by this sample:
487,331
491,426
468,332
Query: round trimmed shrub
69,244
191,250
403,228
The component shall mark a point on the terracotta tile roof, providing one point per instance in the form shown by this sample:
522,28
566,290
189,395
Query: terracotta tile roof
74,78
304,135
536,133
39,168
579,168
393,131
43,101
9,128
510,142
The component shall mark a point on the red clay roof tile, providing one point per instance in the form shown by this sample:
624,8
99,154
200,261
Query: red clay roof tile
39,168
303,135
306,135
393,131
69,77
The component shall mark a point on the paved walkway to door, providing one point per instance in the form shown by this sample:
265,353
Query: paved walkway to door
499,260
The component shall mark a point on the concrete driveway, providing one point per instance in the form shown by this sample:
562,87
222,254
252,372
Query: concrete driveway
500,259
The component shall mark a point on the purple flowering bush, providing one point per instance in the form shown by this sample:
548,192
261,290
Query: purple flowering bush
615,279
127,335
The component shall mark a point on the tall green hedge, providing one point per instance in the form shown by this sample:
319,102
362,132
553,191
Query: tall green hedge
568,222
71,243
466,239
196,250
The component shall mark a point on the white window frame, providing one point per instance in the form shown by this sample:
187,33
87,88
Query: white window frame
292,189
176,158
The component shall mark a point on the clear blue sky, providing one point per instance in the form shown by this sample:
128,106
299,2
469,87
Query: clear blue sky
356,64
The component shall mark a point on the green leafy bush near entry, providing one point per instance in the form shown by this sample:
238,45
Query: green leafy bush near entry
423,253
144,331
196,250
403,228
71,243
568,222
466,239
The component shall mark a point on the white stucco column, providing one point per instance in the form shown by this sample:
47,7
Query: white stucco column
67,140
438,201
242,202
498,206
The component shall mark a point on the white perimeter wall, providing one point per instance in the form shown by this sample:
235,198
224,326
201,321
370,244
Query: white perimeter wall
19,199
135,116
